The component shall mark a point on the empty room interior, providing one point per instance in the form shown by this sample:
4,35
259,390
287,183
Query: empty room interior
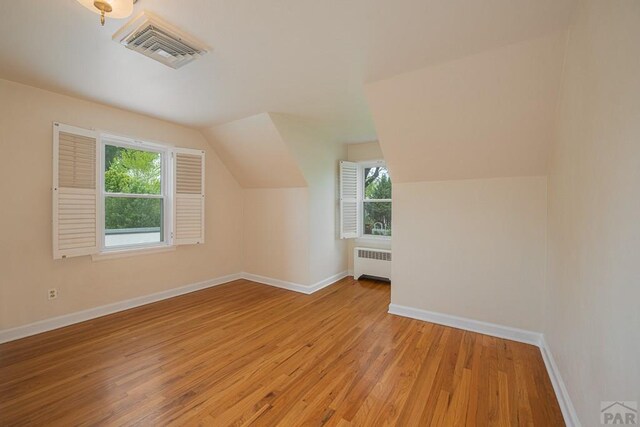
339,213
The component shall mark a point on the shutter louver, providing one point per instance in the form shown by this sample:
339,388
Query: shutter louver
75,195
349,200
189,196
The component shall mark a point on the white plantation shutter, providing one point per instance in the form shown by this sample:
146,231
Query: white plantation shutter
349,200
188,202
75,192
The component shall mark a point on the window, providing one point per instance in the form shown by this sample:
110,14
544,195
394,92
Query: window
376,208
365,200
134,195
114,194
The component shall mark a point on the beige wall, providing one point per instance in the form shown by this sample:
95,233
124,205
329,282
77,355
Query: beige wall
27,268
282,233
466,143
482,116
276,233
290,234
364,151
318,157
592,317
472,248
276,197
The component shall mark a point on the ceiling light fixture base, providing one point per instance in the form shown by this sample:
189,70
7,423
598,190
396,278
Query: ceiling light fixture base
103,7
117,9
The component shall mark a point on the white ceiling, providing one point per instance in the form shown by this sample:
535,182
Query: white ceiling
304,57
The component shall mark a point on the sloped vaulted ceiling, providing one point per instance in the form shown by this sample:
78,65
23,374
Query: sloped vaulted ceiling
307,58
486,115
255,153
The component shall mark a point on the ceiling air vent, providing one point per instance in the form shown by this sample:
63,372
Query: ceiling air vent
153,37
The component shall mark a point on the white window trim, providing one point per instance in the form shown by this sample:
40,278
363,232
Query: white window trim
362,165
124,253
166,194
373,238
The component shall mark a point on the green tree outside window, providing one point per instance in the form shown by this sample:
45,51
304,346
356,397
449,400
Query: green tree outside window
132,171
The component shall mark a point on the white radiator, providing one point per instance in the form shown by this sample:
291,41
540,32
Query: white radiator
371,262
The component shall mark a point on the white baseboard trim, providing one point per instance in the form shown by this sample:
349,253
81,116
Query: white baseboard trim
564,400
486,328
38,327
91,313
506,332
328,281
305,289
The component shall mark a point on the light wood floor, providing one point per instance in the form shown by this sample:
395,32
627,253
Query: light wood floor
245,353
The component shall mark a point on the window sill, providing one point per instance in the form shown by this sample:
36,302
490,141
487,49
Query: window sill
373,242
370,238
124,253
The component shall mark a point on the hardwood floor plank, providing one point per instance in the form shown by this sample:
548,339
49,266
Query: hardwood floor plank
249,354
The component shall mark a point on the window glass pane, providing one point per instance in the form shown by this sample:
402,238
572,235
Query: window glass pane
377,218
377,184
127,170
133,221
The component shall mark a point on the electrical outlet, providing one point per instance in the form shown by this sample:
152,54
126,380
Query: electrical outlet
53,293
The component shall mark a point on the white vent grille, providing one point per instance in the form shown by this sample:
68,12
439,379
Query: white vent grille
372,262
152,37
377,255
